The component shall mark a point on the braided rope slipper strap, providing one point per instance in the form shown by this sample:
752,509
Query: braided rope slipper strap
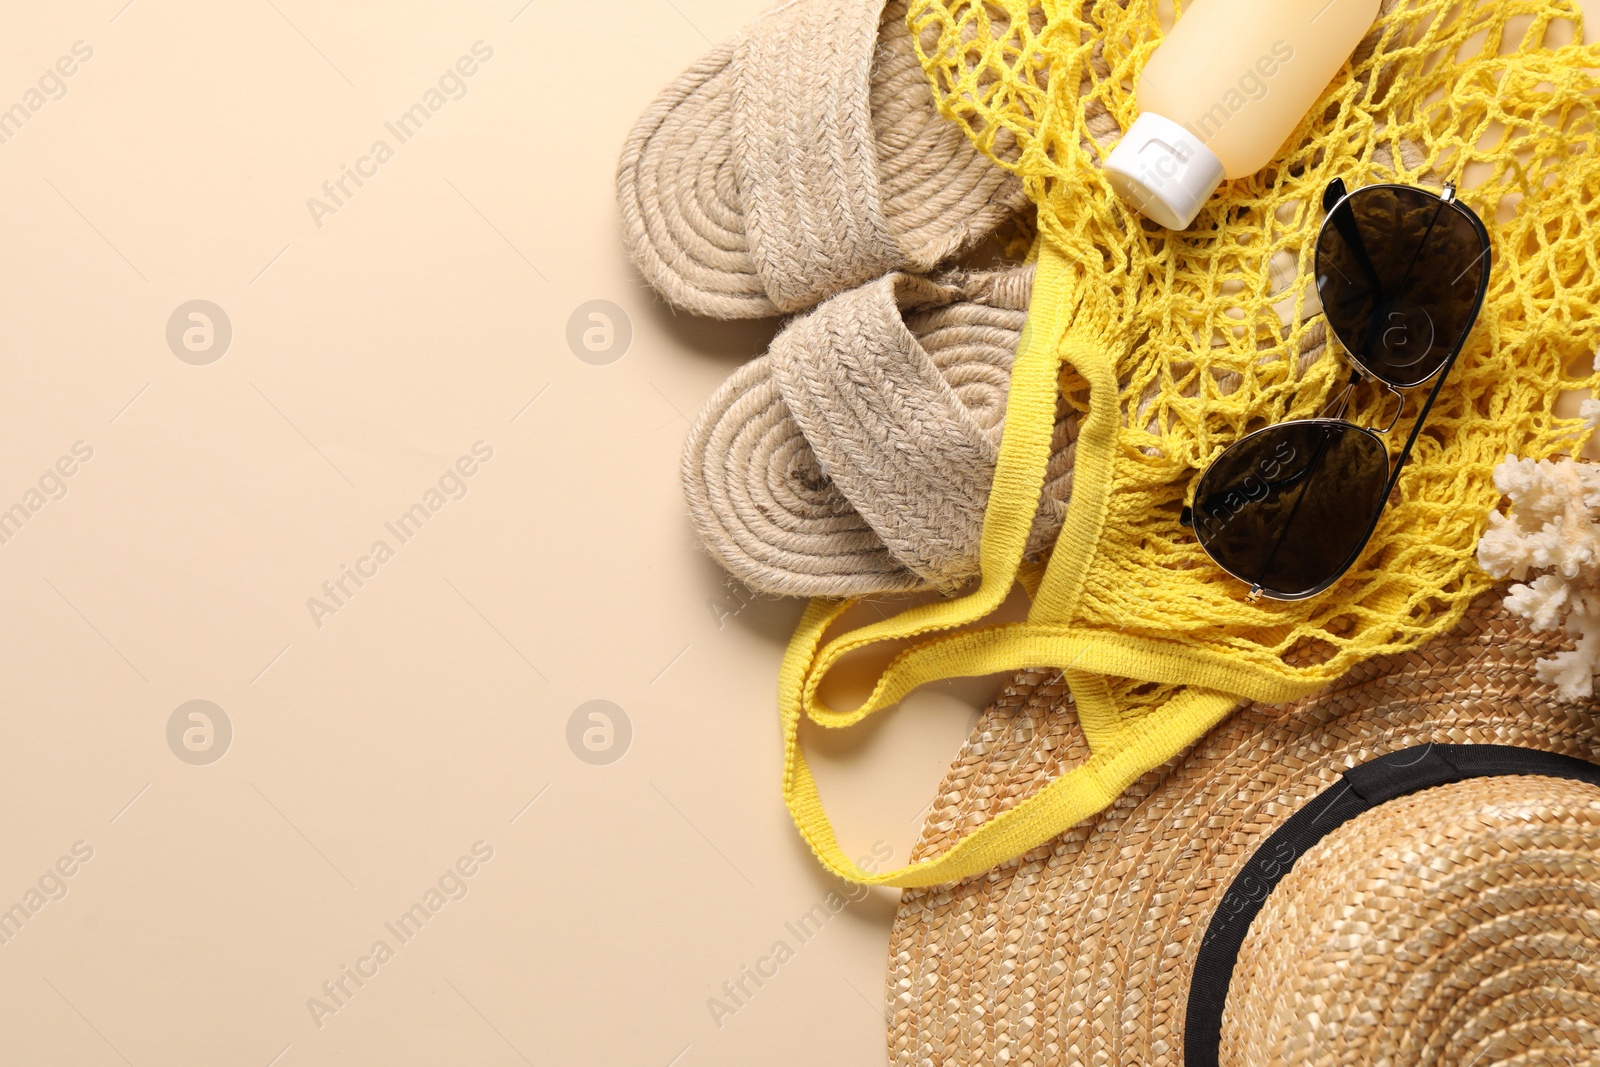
887,427
763,508
811,511
802,151
799,159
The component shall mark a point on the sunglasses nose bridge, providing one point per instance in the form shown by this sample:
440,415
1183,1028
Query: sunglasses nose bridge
1399,407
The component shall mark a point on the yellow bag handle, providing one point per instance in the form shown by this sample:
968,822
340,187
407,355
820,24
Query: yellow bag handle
1121,750
1071,798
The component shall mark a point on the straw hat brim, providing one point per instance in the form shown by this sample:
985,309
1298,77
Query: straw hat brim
1083,950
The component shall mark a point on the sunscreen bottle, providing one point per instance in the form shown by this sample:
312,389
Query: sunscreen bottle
1223,92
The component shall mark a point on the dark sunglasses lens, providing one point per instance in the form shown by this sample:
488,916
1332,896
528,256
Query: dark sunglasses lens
1288,508
1399,271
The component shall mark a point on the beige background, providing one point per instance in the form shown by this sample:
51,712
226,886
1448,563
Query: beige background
430,711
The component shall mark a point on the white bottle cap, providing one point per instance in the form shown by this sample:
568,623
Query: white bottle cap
1164,170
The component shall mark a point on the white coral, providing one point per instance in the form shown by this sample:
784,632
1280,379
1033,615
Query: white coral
1553,526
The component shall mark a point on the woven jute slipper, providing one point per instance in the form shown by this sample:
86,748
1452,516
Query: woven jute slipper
1403,869
800,159
856,456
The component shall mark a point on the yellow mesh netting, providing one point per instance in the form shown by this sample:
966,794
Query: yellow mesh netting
1174,345
1488,94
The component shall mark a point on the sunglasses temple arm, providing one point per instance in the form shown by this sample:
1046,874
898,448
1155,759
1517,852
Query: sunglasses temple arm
1422,418
1399,465
1344,220
1444,372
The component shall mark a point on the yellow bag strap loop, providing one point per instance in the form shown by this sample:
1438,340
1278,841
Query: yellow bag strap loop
1071,798
1078,650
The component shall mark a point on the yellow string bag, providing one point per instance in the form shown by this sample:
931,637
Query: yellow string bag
1173,346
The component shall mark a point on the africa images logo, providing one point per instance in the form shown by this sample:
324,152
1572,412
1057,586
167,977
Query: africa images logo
338,591
452,885
451,85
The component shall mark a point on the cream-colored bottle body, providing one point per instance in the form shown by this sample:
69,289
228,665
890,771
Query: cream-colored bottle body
1232,81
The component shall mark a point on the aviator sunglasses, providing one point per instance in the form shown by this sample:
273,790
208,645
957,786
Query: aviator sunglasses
1401,273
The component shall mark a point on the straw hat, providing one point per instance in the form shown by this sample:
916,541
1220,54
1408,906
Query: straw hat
1403,869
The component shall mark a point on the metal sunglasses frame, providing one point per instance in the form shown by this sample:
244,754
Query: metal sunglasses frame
1335,197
